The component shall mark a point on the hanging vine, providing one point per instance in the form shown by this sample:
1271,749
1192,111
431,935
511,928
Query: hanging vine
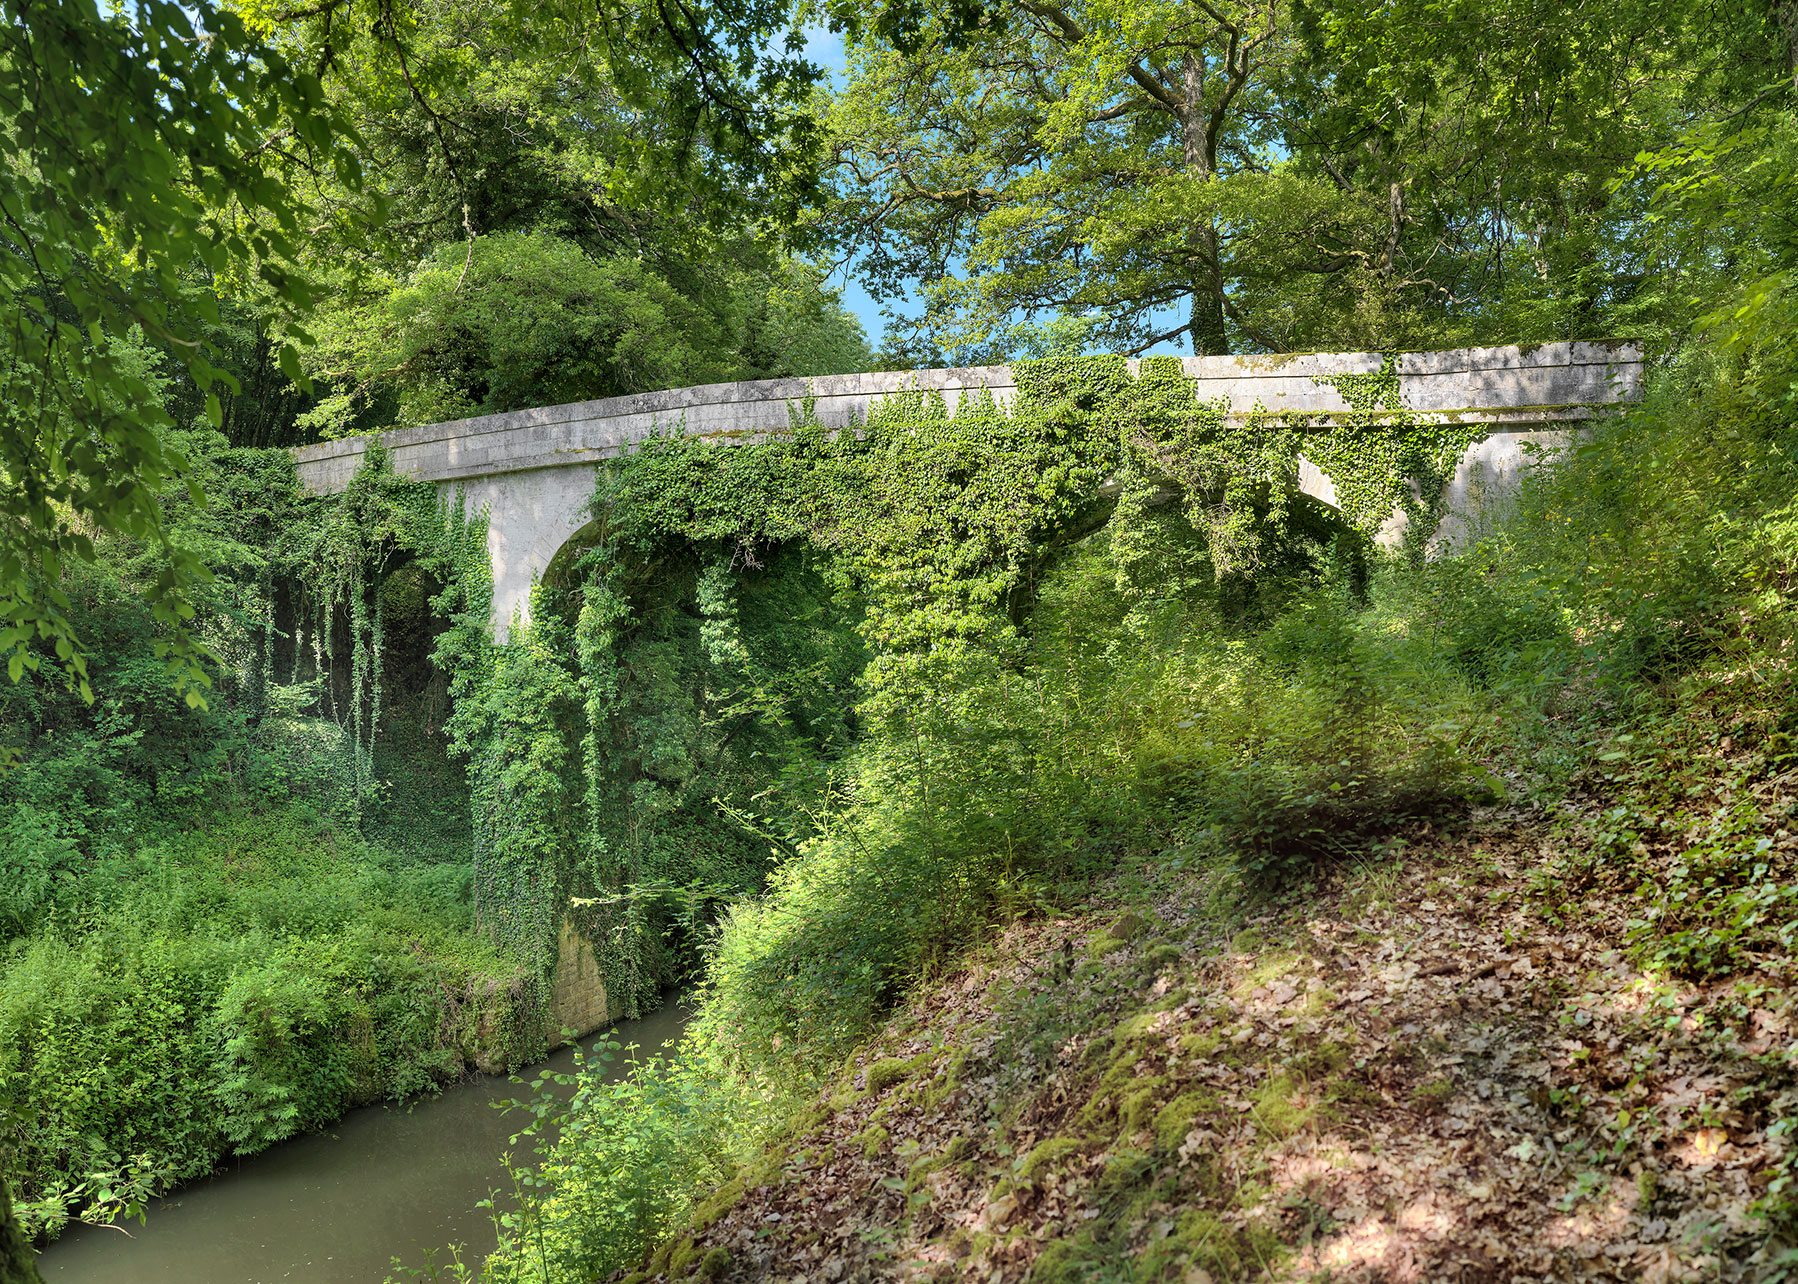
615,741
378,523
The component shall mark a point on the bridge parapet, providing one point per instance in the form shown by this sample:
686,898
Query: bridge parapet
1507,387
532,469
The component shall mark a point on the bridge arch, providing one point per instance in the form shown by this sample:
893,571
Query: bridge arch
531,471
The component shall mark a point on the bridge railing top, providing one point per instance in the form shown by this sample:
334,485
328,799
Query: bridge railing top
1517,385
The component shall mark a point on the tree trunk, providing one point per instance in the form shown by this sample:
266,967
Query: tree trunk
1785,17
18,1264
1209,338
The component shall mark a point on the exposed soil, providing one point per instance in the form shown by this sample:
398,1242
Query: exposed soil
1421,1071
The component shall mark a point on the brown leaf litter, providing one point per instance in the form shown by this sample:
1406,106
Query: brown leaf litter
1414,1074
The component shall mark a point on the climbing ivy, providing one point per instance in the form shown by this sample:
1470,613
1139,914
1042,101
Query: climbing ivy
662,731
1234,477
510,705
922,533
355,542
1381,456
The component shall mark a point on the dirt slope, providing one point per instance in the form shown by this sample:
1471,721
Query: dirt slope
1416,1073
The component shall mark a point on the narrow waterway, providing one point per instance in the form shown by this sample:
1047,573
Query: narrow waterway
386,1182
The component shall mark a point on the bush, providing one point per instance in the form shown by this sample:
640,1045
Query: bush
1341,737
251,981
615,1166
37,862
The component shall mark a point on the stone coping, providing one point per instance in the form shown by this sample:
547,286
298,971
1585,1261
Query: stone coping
1511,386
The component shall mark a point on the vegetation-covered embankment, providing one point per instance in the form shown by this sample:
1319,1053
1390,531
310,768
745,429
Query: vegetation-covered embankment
1431,1067
1417,915
226,924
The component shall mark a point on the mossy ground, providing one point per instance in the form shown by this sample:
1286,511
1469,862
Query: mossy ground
1412,1073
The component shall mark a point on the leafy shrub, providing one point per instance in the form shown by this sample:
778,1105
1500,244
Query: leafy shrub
37,861
281,1070
1491,618
247,982
615,1165
304,758
1344,739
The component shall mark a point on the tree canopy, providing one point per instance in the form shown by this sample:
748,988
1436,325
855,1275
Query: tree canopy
1285,176
185,185
136,149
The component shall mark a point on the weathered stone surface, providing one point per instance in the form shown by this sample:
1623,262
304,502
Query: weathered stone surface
580,1002
1486,481
530,515
532,470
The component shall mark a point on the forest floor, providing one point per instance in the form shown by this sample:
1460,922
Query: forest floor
1445,1065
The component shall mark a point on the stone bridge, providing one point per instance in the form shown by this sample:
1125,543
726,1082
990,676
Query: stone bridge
532,470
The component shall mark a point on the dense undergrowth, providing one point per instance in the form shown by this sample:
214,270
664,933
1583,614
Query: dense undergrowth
240,984
223,926
1630,615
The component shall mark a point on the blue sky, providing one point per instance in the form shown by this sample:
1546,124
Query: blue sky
826,49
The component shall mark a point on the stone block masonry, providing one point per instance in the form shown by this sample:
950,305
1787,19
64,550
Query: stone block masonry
531,471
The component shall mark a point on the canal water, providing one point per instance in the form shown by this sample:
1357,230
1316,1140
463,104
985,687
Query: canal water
337,1207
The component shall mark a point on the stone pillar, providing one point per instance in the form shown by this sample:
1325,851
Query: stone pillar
579,1001
530,516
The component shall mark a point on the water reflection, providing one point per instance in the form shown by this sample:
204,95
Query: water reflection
385,1182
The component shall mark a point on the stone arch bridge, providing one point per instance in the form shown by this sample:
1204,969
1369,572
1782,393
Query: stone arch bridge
532,470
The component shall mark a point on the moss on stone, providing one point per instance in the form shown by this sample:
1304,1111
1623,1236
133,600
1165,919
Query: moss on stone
1127,926
1136,1028
1137,1111
1200,1043
682,1255
1063,1261
718,1202
1161,956
884,1074
1125,1170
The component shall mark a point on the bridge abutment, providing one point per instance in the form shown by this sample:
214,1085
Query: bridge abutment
531,515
